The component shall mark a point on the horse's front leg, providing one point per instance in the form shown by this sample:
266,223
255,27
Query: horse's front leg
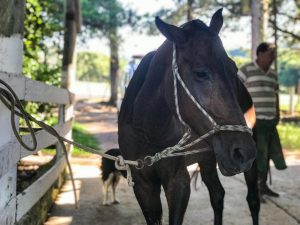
253,196
147,191
216,191
176,184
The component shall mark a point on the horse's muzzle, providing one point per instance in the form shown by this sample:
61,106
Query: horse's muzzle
235,152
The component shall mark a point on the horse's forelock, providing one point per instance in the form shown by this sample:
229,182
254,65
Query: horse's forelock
195,24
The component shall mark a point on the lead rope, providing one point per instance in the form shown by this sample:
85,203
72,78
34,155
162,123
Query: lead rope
12,102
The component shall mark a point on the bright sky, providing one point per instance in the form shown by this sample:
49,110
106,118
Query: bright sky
135,43
148,6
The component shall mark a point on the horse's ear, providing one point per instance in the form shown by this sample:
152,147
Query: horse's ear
216,22
171,32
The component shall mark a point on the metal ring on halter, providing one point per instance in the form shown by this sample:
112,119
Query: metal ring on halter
148,160
140,164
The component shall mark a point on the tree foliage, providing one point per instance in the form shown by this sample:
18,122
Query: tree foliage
42,35
92,67
105,18
288,21
288,15
43,29
101,17
289,68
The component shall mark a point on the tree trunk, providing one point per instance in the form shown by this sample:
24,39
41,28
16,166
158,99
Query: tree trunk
255,26
71,29
114,66
190,10
265,18
259,23
275,33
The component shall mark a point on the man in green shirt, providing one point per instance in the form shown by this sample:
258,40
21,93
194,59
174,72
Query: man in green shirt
261,82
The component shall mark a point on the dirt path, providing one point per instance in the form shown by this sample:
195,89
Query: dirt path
102,122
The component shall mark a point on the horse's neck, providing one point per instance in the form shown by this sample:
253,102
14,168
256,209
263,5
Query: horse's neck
151,89
159,125
151,111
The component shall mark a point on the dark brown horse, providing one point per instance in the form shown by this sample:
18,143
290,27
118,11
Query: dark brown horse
187,91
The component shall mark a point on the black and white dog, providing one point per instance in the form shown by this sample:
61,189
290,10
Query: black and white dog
110,176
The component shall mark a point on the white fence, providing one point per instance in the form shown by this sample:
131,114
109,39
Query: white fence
13,206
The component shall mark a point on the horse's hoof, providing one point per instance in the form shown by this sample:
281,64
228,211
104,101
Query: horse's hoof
115,202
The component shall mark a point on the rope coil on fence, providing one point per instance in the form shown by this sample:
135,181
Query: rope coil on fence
13,103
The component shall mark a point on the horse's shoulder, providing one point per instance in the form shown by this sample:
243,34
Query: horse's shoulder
135,86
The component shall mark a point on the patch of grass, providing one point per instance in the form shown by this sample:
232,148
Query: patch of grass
81,136
289,134
287,108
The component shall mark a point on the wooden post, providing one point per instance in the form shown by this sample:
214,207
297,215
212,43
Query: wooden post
291,102
298,87
11,53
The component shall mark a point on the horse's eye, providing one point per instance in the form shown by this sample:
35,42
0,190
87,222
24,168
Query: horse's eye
201,74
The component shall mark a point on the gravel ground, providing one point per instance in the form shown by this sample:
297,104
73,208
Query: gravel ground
102,122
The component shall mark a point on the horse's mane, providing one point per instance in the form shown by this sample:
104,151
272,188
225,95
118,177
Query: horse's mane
134,87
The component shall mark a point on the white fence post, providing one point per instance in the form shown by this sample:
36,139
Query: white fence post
13,207
11,52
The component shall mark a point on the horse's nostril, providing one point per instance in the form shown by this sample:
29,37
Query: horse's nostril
237,155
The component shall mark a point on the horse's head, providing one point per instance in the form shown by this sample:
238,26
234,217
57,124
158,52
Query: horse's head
211,78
